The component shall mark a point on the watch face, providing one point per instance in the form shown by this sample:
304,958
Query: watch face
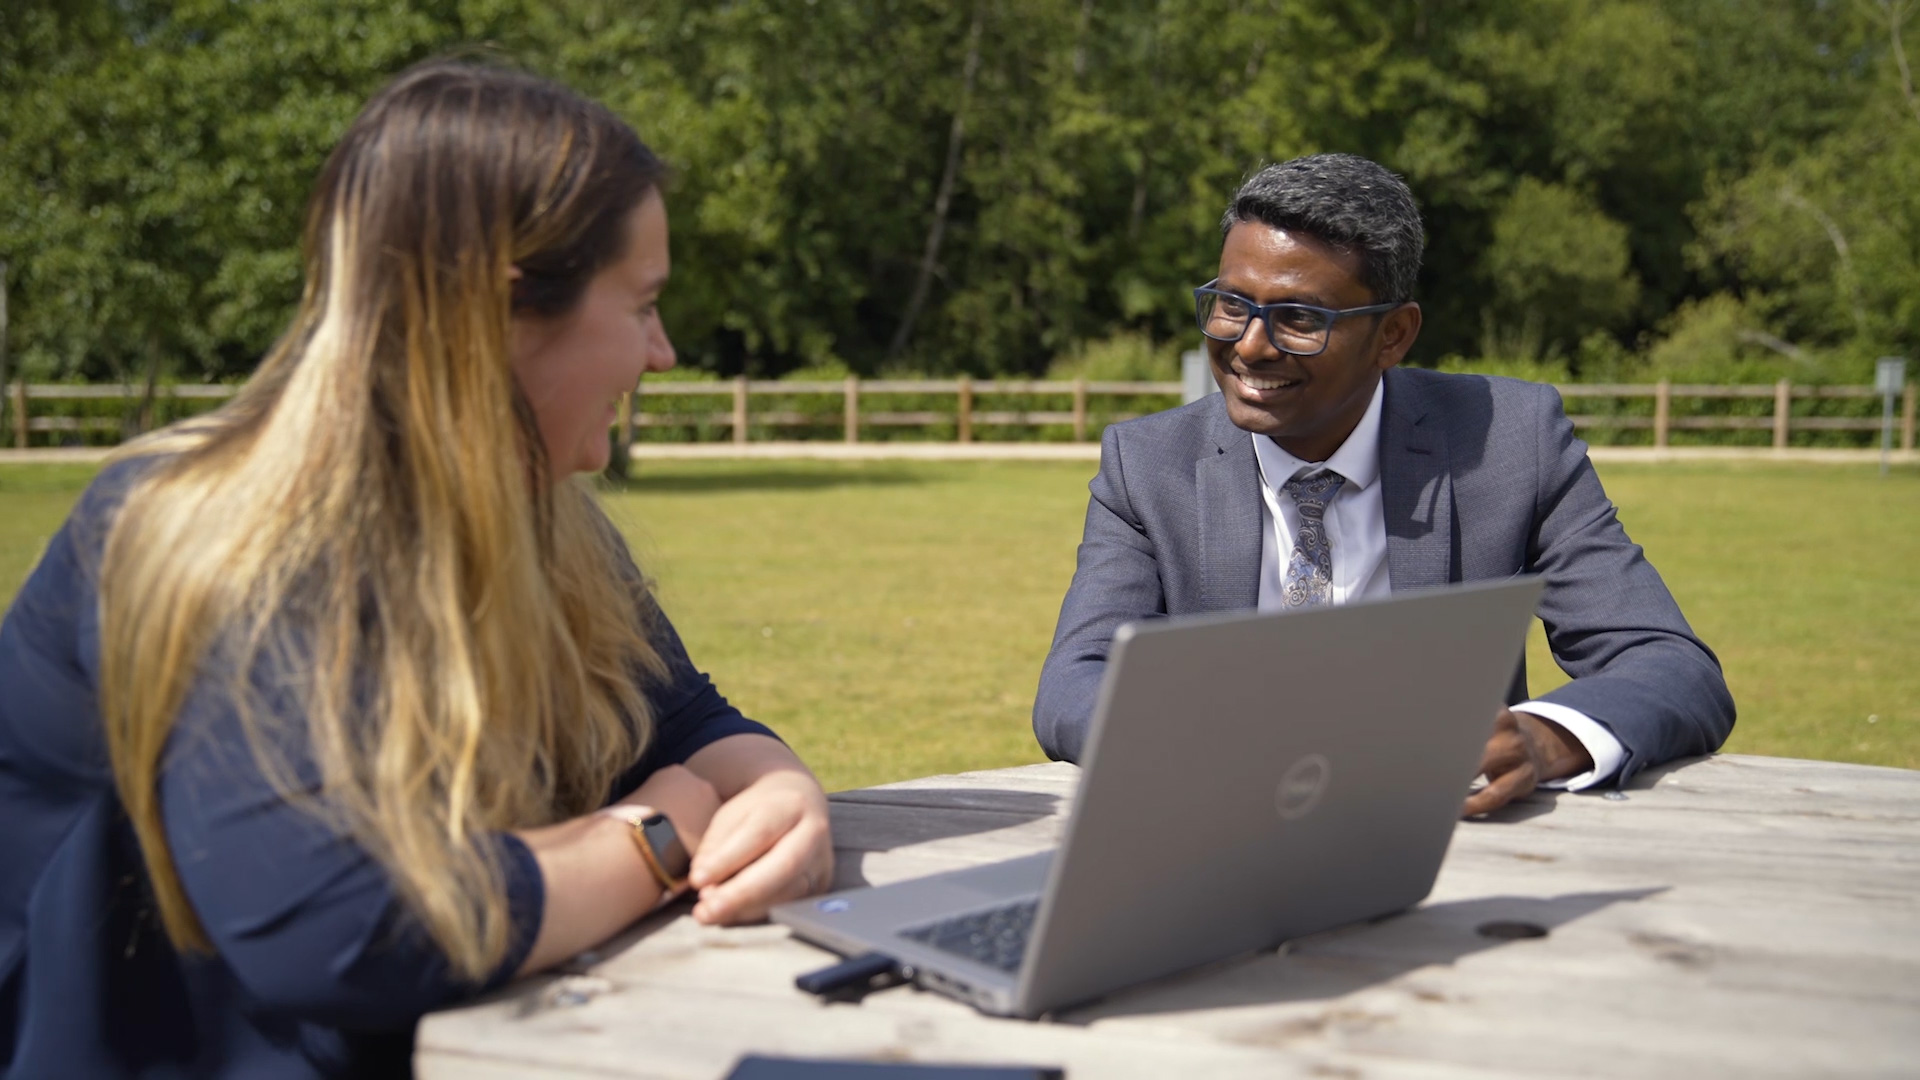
665,842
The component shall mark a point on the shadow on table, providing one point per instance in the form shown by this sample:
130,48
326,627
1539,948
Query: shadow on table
1649,778
573,981
1543,800
875,821
1340,962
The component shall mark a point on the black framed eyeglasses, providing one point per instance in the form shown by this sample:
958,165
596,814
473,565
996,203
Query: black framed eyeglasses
1300,329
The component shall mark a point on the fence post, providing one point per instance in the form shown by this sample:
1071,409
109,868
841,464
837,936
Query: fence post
20,414
1906,418
966,409
623,436
740,410
1080,409
1782,412
1662,408
853,408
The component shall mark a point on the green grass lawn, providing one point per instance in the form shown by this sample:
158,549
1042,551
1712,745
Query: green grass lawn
889,619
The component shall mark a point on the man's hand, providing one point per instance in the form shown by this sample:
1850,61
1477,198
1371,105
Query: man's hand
767,844
1524,751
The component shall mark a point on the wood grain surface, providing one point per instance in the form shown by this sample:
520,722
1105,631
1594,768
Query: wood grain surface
1737,916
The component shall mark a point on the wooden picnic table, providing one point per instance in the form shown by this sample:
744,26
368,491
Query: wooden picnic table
1735,916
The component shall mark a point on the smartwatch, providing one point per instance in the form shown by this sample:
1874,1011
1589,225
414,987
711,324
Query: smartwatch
658,843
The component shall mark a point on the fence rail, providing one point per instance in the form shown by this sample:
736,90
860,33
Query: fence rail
851,418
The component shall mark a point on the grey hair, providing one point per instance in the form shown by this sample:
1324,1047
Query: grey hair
1349,202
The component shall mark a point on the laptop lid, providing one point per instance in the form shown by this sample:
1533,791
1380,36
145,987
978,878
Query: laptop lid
1257,777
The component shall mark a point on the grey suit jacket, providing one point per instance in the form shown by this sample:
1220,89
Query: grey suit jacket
1481,478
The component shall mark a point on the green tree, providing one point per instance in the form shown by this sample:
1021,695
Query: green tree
984,185
158,161
1825,243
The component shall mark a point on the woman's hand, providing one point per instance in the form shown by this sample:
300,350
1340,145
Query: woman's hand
770,841
595,882
687,800
768,844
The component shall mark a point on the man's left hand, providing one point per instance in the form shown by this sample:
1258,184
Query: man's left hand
1524,751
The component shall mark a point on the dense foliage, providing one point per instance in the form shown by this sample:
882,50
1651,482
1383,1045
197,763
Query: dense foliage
1704,188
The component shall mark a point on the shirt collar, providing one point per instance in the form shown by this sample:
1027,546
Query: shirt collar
1358,459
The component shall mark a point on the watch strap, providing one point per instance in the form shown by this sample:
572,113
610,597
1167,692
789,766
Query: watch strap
663,840
658,844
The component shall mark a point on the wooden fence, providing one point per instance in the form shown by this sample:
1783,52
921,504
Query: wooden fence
966,414
1781,423
856,395
20,397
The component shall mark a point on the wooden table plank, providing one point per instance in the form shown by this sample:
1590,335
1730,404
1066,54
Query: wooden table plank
1737,914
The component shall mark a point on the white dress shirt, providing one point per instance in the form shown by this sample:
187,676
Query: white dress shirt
1356,525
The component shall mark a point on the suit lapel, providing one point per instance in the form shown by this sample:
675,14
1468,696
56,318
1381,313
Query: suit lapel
1416,489
1228,486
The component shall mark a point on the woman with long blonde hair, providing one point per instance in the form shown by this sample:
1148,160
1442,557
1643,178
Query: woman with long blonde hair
345,702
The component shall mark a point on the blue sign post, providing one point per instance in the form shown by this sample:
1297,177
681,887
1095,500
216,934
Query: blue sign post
1196,376
1889,377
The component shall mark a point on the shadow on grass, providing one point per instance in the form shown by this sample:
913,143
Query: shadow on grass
45,479
657,479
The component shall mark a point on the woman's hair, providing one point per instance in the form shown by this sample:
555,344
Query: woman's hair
371,526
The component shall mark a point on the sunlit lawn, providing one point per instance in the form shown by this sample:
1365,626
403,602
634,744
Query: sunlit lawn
890,618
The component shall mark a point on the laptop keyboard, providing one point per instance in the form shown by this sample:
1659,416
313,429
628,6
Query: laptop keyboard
996,937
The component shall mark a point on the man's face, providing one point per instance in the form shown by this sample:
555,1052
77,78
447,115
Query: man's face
1307,404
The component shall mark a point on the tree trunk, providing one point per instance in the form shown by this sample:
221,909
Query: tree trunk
3,323
1896,15
143,418
1080,40
1137,211
1844,251
943,198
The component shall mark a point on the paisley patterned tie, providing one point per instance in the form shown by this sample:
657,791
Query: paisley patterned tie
1308,581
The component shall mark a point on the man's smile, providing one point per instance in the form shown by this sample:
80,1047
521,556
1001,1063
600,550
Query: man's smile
1259,385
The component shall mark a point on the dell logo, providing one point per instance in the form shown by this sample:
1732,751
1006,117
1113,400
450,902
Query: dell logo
1304,782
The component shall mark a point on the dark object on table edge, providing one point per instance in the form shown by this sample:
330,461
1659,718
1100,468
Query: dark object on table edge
756,1067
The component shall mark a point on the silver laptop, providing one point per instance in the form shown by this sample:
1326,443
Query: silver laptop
1248,779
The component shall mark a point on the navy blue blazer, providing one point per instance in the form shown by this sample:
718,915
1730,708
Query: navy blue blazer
319,970
1481,478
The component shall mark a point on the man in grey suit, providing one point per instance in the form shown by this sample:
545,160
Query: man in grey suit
1323,472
